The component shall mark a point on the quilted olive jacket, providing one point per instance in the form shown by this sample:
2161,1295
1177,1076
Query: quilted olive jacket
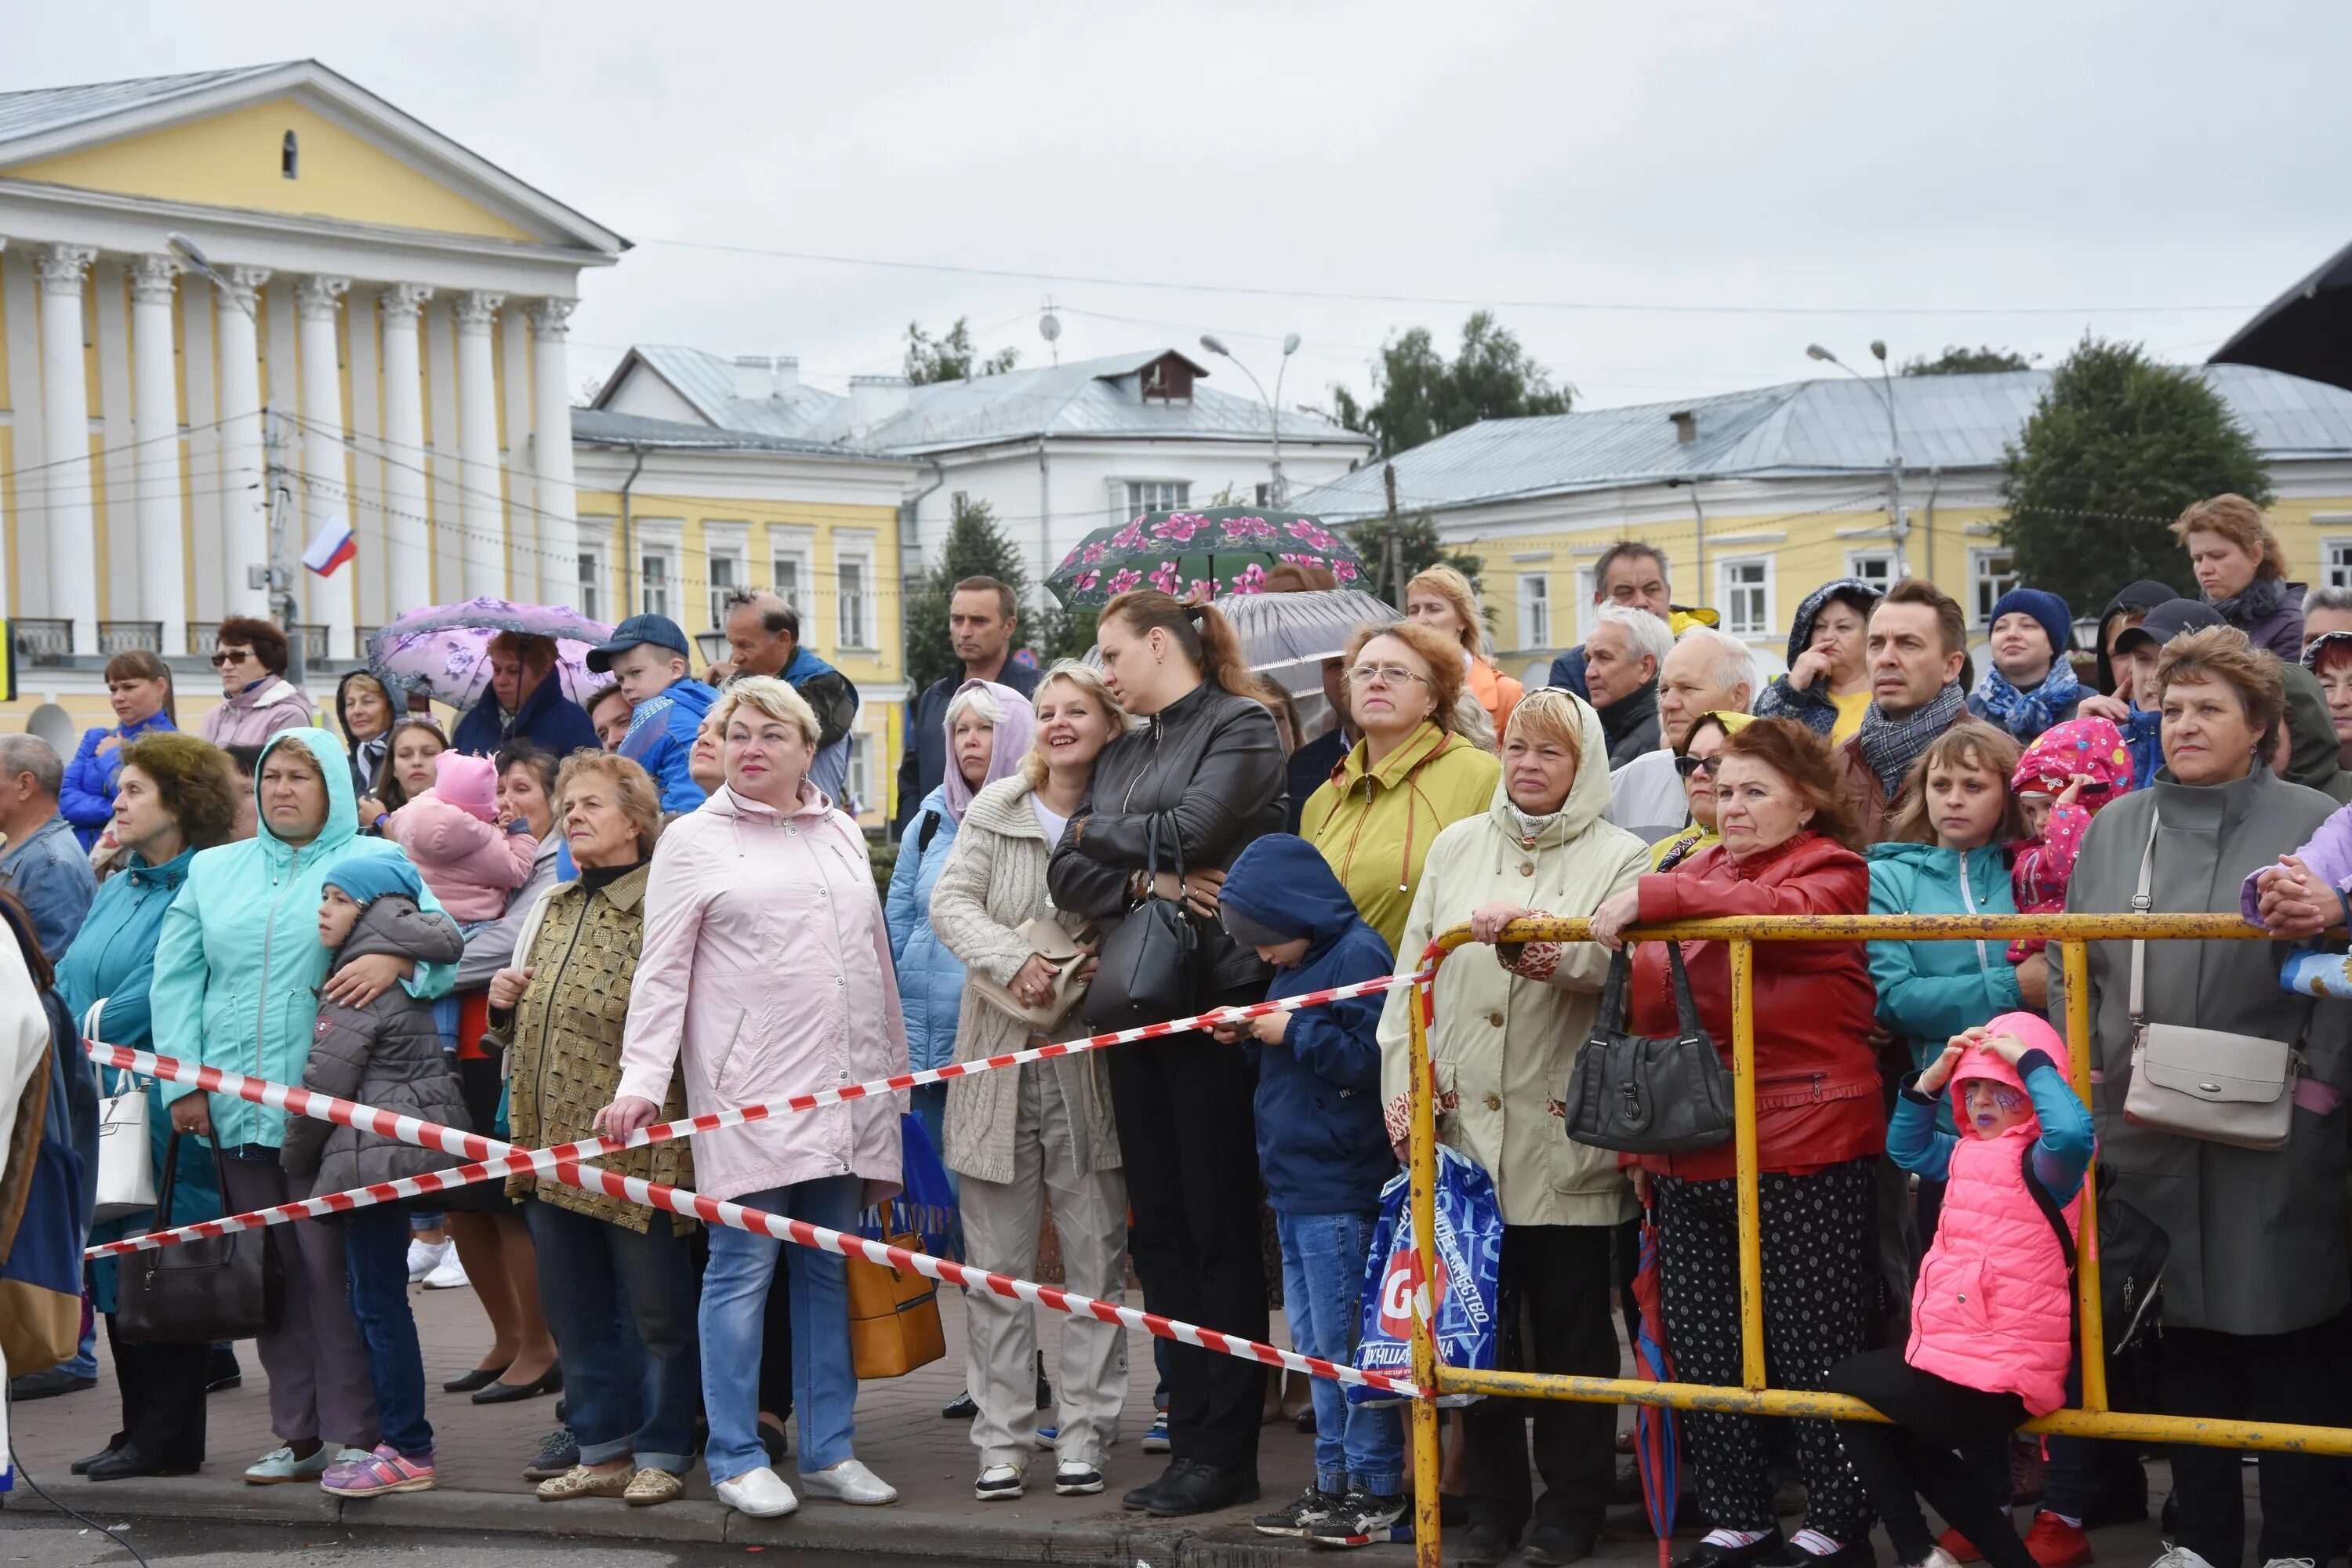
563,1043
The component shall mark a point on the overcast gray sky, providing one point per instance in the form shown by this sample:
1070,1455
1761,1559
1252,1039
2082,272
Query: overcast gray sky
1709,185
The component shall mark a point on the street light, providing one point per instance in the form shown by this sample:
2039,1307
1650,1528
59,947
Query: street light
1278,492
197,263
1897,509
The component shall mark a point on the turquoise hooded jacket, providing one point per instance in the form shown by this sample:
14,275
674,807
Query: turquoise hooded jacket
238,965
1930,991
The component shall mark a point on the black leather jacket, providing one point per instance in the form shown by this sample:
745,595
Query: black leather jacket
1211,765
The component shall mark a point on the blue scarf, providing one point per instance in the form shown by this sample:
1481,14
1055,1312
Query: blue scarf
2025,714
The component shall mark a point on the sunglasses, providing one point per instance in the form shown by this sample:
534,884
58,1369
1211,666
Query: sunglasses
1689,766
229,656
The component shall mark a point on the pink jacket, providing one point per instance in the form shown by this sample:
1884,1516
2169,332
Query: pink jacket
470,865
250,718
1994,1306
765,972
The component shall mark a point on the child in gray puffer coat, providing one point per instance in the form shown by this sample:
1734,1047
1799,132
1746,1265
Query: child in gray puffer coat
385,1053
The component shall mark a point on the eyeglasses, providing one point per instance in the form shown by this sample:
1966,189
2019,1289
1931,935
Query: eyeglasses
1386,674
1687,766
229,656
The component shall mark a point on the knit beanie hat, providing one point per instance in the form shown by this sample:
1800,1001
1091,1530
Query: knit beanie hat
367,877
2044,606
468,782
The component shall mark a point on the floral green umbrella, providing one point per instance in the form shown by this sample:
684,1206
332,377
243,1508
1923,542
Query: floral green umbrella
1208,554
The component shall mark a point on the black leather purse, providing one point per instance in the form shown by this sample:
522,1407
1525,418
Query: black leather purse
1641,1095
201,1291
1144,974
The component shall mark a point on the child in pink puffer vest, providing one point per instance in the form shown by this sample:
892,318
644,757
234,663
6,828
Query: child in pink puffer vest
452,834
1992,1316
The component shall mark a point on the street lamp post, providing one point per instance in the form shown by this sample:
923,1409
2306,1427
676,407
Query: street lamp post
1897,510
1278,492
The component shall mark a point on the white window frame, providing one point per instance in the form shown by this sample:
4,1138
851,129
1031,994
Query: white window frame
860,776
1535,609
726,547
1859,561
1587,582
796,548
2336,562
1145,495
596,557
662,539
1986,585
855,613
1726,585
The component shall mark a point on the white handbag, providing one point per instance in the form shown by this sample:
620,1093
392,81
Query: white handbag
126,1159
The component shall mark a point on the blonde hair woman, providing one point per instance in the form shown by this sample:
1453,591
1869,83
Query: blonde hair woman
766,969
1031,1134
1442,599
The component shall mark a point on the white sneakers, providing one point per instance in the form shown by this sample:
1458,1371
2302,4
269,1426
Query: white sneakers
851,1482
1937,1558
999,1483
762,1493
449,1274
423,1257
2180,1557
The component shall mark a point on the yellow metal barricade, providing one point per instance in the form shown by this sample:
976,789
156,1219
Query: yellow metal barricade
2092,1419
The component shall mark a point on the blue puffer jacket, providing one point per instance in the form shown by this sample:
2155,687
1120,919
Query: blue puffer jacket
661,739
1322,1145
931,978
547,719
86,799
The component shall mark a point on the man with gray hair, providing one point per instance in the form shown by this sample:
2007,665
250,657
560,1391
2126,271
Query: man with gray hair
43,864
1623,654
764,636
2325,610
1707,671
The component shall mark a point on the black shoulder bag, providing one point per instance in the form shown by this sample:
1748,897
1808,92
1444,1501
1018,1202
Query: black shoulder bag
1641,1095
2133,1249
201,1291
1145,971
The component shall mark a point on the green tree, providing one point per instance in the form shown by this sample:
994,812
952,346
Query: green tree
975,547
951,356
1418,548
1958,361
2117,447
1421,395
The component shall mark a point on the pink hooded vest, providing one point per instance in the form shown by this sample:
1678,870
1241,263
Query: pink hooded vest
1994,1307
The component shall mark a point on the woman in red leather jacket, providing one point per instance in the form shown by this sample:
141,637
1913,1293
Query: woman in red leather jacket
1787,850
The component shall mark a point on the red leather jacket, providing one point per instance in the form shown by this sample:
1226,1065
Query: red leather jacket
1817,1085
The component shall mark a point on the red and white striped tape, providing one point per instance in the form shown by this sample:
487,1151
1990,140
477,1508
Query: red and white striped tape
543,1160
660,1195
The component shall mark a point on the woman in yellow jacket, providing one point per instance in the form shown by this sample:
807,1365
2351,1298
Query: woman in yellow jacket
1441,599
1410,774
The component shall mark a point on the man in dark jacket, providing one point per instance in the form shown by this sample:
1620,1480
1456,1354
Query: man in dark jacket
525,703
981,621
763,635
1919,647
1324,1153
1623,654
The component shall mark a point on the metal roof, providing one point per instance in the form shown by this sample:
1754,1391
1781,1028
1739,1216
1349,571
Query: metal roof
600,427
1084,398
59,108
1799,429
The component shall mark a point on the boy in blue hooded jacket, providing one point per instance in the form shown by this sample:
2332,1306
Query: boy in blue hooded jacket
1324,1155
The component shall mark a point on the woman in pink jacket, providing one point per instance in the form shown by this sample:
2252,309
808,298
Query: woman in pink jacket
765,972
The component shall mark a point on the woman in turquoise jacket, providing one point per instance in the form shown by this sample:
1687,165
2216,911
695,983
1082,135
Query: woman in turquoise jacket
238,970
174,794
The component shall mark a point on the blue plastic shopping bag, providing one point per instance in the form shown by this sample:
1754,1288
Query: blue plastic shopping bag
1469,1257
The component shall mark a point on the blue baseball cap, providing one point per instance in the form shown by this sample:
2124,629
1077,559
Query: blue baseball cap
637,631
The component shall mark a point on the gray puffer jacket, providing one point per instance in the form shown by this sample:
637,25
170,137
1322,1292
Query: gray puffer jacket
386,1054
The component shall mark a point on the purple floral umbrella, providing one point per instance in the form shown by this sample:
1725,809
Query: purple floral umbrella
1204,554
441,651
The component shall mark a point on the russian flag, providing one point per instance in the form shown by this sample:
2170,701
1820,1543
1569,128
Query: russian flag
330,547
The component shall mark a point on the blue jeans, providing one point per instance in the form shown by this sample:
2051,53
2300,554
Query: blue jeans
1357,1447
375,1257
620,1305
735,1289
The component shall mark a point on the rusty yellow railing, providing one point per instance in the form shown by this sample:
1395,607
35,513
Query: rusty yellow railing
2092,1419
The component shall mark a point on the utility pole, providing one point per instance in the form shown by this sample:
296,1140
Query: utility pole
1394,565
279,576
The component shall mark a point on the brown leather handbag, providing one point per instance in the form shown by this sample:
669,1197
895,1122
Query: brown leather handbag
894,1317
200,1291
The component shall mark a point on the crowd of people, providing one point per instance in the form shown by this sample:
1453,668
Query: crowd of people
559,920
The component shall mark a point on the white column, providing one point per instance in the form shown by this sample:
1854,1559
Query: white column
408,546
550,446
244,479
326,494
155,422
65,428
483,548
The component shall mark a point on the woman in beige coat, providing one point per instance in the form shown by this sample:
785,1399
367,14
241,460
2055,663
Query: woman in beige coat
1020,1135
1508,1021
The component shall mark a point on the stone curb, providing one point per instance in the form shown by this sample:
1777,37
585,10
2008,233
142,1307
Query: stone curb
898,1535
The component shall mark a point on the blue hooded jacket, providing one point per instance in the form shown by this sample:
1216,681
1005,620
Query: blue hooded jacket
86,799
661,739
547,719
1321,1143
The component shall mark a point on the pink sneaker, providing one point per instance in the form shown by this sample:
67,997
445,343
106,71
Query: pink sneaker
385,1470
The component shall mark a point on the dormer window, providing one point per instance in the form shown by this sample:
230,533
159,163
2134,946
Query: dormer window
290,157
1168,379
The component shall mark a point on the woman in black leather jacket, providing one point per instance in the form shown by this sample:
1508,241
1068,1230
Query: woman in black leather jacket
1209,767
